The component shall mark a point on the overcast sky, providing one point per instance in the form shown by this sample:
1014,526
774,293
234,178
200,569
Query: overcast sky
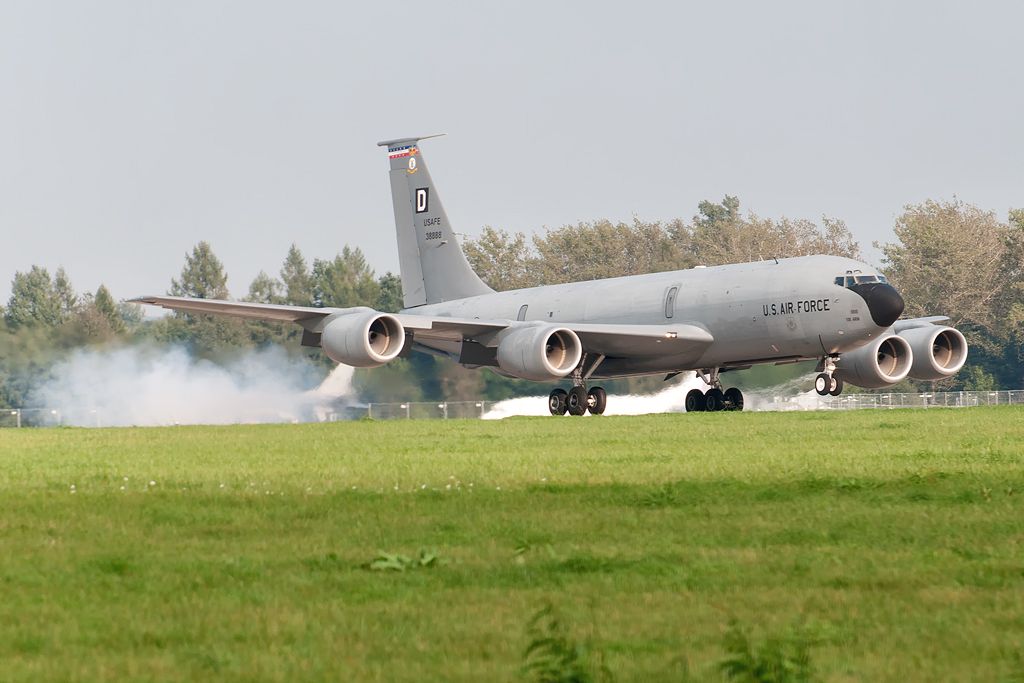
131,130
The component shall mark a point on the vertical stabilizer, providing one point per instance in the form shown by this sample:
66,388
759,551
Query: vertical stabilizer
434,269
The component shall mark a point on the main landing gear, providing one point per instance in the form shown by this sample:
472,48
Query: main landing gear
826,383
714,399
579,399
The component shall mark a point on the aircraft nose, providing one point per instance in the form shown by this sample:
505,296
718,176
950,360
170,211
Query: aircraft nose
884,302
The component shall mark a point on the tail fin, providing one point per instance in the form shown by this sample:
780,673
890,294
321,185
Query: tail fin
434,269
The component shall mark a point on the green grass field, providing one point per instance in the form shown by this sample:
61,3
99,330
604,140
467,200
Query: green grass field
890,543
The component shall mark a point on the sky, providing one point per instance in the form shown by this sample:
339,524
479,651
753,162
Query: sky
130,131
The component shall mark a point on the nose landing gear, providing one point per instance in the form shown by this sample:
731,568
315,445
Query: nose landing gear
826,383
714,399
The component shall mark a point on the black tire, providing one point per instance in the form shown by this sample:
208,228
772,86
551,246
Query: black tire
715,400
576,401
556,402
733,399
597,399
837,387
822,384
695,401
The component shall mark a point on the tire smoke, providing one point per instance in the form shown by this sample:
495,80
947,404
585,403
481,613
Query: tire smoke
791,395
139,386
671,399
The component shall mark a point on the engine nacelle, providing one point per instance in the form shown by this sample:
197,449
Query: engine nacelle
938,351
885,361
363,340
539,353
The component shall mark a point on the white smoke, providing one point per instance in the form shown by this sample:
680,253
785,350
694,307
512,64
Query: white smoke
150,386
672,399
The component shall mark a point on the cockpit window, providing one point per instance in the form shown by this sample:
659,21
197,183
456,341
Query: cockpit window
851,280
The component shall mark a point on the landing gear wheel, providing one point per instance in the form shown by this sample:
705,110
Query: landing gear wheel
733,399
822,384
597,399
714,399
556,402
695,401
576,401
837,387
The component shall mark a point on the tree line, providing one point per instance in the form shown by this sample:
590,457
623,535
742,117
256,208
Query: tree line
949,257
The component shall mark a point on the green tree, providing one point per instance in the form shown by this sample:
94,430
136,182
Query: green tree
711,216
89,325
1011,304
203,276
265,290
390,298
974,378
955,259
211,337
297,281
721,235
590,251
33,300
947,261
502,260
346,280
107,307
64,294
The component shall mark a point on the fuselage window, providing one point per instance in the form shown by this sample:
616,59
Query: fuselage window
522,312
840,280
670,302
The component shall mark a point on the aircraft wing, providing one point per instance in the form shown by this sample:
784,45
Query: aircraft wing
239,309
606,338
911,323
640,340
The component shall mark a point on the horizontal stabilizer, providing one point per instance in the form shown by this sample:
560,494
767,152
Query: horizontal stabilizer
408,141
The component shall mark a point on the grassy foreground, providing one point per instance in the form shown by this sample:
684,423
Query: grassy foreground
889,543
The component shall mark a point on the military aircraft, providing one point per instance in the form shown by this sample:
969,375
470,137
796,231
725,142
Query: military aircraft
711,320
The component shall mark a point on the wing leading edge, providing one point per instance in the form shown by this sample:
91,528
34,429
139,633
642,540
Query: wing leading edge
608,339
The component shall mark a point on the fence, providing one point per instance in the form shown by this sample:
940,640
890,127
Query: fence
444,410
936,399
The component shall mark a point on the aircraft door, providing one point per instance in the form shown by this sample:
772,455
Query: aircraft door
670,301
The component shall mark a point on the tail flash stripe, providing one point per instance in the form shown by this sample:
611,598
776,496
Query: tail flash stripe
400,152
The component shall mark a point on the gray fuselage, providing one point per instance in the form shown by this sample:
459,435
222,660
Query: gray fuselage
761,312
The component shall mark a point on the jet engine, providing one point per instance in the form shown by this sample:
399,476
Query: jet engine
885,361
938,351
363,340
539,353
